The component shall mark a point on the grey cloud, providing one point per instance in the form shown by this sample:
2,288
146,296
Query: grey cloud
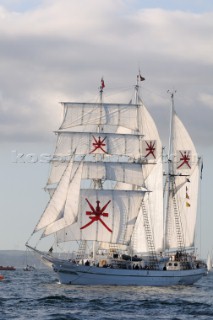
42,64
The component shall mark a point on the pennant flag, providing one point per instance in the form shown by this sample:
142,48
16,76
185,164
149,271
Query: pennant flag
140,77
201,171
187,197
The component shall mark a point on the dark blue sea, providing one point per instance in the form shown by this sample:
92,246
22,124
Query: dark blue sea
38,295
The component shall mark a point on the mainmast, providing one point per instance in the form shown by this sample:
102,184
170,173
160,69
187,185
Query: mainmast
144,204
169,165
171,135
139,78
98,182
171,185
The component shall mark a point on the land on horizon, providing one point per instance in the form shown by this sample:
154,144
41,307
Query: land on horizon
19,259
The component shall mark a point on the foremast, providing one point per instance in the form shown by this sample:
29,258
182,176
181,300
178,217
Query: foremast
98,182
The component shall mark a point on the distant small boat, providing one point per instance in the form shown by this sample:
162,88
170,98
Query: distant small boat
209,262
29,268
1,277
10,268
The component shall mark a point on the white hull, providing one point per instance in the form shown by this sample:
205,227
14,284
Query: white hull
69,273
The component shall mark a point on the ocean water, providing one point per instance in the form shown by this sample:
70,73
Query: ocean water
38,295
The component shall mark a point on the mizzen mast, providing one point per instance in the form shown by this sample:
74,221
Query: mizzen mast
171,183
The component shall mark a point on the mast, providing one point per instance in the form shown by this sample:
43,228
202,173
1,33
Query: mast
98,182
171,135
171,183
139,78
169,163
137,90
145,207
102,86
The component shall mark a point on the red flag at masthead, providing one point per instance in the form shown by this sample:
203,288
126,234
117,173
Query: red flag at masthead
102,83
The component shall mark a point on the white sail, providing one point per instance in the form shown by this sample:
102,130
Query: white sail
101,143
154,181
71,204
109,158
88,115
106,193
123,148
55,206
186,177
114,226
209,262
124,172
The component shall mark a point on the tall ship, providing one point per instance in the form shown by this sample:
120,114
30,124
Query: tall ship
126,210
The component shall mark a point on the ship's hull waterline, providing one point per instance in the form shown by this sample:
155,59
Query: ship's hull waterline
69,273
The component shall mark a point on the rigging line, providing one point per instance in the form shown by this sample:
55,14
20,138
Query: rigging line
200,216
180,238
81,117
122,89
162,95
104,105
79,163
96,106
139,219
97,97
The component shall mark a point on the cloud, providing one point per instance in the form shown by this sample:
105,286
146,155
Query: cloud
59,50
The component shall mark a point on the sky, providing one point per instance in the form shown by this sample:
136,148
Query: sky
52,51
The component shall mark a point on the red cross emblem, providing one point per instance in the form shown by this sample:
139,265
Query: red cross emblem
96,214
150,148
185,158
98,144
